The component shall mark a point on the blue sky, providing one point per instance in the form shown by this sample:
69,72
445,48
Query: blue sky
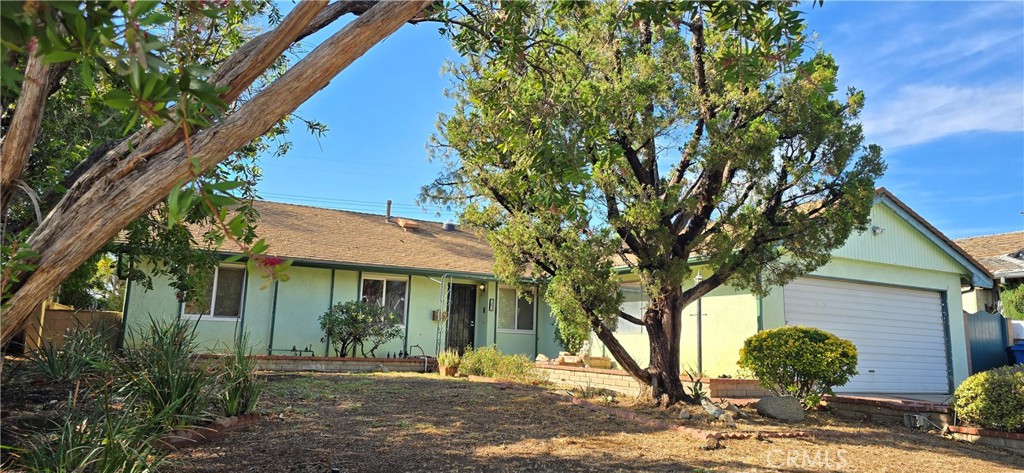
945,99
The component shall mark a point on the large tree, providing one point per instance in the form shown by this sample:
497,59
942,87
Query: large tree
655,136
194,115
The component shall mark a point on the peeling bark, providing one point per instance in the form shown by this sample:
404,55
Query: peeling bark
124,184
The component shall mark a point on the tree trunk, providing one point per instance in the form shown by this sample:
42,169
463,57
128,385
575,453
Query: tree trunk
115,191
663,322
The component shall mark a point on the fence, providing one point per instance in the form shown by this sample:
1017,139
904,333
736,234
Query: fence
51,325
987,339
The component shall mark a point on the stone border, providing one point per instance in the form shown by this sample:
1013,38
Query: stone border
333,364
621,382
1012,441
896,404
192,436
712,439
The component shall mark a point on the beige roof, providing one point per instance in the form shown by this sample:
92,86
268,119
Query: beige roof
1000,253
316,234
993,245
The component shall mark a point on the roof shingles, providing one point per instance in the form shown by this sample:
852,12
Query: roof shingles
993,251
337,236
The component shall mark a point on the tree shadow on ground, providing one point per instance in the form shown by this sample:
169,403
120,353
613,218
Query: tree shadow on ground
402,422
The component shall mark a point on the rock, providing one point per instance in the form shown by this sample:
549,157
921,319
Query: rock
728,419
542,359
729,407
712,408
785,408
684,413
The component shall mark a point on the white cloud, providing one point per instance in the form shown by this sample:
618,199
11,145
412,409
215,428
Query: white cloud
921,113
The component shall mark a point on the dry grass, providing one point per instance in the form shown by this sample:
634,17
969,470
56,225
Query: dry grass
412,422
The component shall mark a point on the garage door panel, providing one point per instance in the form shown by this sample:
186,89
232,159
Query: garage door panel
898,332
872,326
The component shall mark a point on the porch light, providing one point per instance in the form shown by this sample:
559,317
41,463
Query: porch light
483,287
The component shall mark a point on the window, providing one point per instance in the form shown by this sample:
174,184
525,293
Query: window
515,310
223,293
388,292
634,302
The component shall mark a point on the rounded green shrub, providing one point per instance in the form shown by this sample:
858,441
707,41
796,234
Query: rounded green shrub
803,362
993,399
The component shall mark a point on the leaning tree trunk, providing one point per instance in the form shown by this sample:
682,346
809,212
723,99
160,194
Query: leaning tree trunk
664,322
139,173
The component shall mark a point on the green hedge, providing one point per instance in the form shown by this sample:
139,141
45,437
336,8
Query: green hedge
800,361
993,399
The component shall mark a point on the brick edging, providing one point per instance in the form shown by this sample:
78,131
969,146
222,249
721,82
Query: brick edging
320,358
904,406
197,435
960,429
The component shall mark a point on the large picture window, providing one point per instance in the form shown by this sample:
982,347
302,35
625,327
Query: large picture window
634,302
388,292
516,310
222,296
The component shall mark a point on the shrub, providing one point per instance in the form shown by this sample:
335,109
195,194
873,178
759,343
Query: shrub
162,373
449,357
98,439
240,388
85,352
993,399
353,324
488,361
800,361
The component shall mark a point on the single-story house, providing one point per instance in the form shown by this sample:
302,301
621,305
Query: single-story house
890,289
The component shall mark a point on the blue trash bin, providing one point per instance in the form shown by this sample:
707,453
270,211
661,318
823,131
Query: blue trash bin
1017,354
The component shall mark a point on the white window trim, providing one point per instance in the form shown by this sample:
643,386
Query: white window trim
213,299
386,278
516,312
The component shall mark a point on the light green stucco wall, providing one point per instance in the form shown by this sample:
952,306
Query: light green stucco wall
730,316
300,301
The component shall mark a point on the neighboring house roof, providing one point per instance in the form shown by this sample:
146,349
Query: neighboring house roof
1002,253
980,275
339,237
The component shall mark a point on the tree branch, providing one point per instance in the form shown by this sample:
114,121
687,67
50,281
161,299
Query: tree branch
17,142
114,192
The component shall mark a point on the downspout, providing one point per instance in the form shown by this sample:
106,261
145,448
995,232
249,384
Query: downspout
124,314
327,346
760,313
273,320
408,316
241,313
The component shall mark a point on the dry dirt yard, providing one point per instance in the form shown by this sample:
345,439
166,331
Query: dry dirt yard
415,422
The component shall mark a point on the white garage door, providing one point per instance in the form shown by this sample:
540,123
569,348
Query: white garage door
899,335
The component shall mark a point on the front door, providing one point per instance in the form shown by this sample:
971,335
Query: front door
462,317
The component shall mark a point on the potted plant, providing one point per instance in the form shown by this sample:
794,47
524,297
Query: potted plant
448,362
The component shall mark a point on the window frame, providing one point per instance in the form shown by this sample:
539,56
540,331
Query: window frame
644,303
384,291
515,312
213,298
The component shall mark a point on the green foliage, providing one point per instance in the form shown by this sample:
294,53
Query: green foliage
123,65
642,134
161,372
240,388
696,387
490,362
449,357
571,333
100,439
1012,297
993,399
354,324
803,362
85,351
